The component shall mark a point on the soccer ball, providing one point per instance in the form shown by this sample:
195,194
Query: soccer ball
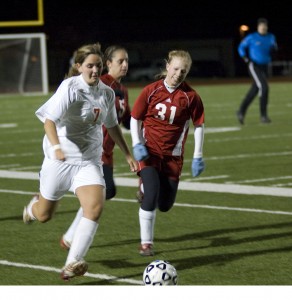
160,272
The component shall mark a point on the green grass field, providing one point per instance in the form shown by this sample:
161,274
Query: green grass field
231,226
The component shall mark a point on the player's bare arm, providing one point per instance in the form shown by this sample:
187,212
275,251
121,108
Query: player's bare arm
51,132
116,134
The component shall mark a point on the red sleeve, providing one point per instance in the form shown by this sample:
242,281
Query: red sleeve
198,116
141,104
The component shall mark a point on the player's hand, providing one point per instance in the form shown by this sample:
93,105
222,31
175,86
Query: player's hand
132,163
246,60
140,152
60,155
198,166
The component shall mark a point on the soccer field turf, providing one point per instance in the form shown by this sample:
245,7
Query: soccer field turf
231,226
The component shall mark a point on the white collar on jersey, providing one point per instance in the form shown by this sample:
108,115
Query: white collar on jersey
170,88
87,87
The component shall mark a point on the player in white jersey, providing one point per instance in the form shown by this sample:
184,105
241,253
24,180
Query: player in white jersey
72,145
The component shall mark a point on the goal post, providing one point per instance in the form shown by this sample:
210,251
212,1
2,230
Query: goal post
24,67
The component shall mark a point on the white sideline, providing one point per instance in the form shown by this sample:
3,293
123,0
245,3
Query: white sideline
183,185
51,269
254,210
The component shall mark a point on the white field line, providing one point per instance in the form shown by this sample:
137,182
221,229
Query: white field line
8,125
203,177
282,184
264,211
220,188
51,269
274,212
126,131
125,280
242,156
183,185
255,137
239,156
262,179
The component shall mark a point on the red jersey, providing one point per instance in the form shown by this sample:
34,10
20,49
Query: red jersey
123,113
166,116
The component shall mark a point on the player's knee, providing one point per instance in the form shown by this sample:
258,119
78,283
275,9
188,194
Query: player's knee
164,208
110,193
94,212
148,205
165,205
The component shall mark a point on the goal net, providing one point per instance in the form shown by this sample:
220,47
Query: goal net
23,61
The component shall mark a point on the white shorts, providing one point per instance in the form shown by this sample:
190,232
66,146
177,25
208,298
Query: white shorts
57,177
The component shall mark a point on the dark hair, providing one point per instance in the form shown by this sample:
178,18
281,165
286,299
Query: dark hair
262,20
109,54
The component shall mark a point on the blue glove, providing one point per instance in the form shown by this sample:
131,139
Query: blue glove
198,166
140,152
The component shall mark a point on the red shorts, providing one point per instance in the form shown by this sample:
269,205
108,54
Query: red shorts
107,158
169,166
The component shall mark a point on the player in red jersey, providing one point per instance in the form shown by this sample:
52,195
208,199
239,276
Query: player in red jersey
160,121
116,62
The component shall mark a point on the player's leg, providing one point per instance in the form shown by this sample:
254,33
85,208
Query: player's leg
42,206
169,175
147,211
263,95
168,191
250,95
40,209
111,189
91,199
67,238
89,186
44,209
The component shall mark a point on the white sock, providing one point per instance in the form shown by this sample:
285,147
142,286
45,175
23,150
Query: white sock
82,240
147,221
29,207
68,236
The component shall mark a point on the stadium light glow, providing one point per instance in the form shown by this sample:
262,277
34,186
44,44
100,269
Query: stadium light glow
242,30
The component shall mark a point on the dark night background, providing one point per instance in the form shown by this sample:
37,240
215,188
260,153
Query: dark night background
69,25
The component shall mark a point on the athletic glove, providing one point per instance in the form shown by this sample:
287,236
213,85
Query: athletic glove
198,166
140,152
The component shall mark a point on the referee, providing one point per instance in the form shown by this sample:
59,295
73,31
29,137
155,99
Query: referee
256,49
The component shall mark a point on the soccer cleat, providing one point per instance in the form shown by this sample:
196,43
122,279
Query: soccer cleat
27,219
64,244
240,117
265,120
25,216
75,268
146,250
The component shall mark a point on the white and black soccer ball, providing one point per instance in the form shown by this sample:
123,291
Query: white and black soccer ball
160,272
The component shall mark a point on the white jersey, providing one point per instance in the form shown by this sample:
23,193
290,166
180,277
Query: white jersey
79,111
